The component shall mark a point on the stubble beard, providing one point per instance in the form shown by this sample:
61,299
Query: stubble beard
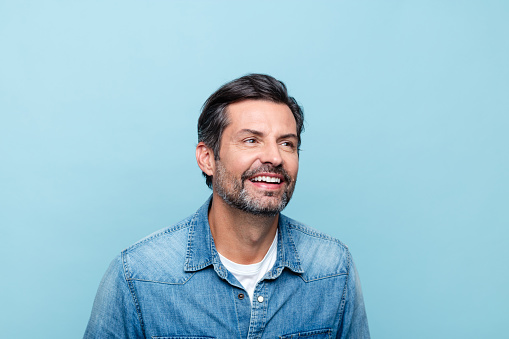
234,193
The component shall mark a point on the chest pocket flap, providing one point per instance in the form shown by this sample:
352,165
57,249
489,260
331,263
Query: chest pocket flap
315,334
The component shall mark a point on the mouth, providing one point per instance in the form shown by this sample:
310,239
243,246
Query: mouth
268,179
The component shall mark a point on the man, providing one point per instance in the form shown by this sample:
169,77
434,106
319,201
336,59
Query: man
237,268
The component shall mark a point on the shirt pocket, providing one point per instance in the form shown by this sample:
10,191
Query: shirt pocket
184,337
315,334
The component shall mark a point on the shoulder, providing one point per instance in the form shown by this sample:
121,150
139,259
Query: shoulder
160,256
320,255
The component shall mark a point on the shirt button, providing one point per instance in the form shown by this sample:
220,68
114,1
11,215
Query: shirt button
241,296
260,299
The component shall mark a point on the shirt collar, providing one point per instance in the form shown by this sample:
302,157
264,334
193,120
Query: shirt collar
201,250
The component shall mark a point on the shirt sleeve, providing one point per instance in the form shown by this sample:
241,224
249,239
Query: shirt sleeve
355,322
114,314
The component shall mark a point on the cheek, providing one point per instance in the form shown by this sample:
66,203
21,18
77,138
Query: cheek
237,167
292,165
294,173
244,162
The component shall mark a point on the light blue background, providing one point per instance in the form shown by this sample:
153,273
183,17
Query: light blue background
404,156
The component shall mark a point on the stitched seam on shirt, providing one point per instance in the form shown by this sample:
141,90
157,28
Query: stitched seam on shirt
236,311
324,277
327,331
179,226
315,234
133,293
343,297
162,282
265,306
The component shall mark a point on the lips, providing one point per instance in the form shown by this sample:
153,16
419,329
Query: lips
266,179
267,174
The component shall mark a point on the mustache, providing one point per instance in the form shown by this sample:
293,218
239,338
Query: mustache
267,169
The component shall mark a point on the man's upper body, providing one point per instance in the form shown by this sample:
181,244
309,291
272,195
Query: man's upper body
194,279
172,284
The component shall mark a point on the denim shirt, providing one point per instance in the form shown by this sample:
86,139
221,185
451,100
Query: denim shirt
172,284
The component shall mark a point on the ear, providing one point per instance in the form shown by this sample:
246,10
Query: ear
205,159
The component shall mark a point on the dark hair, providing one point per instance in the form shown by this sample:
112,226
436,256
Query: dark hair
214,118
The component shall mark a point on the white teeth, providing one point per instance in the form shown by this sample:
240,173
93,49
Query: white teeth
267,179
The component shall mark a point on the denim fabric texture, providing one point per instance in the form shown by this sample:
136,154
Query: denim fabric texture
172,284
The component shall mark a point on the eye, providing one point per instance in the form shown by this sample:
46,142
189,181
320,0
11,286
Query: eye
288,144
250,141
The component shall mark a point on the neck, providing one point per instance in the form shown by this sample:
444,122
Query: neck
241,237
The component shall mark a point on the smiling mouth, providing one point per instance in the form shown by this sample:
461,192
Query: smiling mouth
266,179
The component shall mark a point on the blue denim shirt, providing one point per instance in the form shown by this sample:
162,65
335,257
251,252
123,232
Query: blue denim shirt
172,284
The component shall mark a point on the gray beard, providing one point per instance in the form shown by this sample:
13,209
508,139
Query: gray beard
239,198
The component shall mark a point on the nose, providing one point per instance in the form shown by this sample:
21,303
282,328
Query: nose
271,154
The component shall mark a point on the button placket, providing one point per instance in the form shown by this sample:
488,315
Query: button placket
259,306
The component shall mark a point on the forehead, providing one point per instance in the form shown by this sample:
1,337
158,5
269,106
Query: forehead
265,116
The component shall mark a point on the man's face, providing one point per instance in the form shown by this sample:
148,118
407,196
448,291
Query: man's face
259,159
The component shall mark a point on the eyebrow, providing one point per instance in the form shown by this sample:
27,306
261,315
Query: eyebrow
289,135
260,134
250,131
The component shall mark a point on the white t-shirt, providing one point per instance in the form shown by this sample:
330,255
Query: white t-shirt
250,275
